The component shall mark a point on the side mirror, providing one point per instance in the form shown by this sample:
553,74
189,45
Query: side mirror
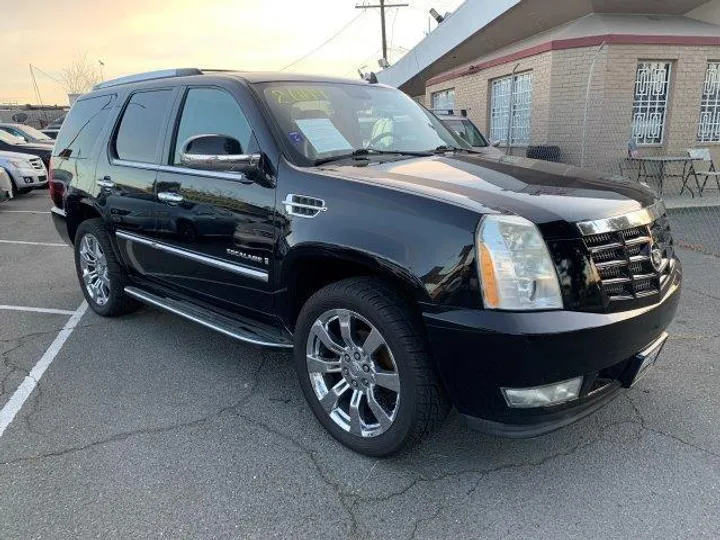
215,152
496,144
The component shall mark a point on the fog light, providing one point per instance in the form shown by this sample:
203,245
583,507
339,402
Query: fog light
543,396
28,179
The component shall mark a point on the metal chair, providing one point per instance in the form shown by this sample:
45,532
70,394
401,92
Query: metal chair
704,154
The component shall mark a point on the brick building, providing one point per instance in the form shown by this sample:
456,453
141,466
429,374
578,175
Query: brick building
586,76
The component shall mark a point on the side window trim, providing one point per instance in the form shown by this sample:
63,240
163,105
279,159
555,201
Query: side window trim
167,160
238,176
114,159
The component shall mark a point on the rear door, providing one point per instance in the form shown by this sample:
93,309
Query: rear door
217,228
126,176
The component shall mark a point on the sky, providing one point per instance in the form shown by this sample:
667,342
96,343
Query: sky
133,36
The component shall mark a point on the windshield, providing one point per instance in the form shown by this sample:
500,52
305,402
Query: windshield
10,139
322,120
33,133
468,132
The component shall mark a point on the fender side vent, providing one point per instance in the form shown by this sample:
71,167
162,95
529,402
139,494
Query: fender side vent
302,206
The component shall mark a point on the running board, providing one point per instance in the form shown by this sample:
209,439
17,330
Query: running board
254,333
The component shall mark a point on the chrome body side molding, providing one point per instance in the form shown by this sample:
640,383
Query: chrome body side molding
254,273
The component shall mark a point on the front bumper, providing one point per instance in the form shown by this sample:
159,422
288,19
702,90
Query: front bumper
480,352
29,177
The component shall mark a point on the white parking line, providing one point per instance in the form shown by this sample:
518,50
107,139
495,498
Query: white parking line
24,212
13,406
51,244
36,309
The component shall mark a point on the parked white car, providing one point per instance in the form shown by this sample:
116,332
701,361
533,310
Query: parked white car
5,185
26,171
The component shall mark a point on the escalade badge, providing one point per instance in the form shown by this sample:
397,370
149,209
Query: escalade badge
656,257
247,256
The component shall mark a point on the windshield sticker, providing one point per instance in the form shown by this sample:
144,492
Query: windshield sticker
296,137
323,135
287,96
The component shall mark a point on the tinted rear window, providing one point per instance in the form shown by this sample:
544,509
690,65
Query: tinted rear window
83,126
142,126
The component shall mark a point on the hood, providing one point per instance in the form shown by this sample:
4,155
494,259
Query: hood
15,155
35,146
543,192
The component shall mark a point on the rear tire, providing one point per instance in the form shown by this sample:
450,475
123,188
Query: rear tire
101,276
389,399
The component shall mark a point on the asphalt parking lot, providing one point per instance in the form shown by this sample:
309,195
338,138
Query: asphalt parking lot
148,426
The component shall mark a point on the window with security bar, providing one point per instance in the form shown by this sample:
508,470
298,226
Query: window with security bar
444,100
511,109
652,92
709,125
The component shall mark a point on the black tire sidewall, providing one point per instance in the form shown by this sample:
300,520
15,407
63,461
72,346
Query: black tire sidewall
116,301
395,438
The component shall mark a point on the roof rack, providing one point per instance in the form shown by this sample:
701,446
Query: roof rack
148,76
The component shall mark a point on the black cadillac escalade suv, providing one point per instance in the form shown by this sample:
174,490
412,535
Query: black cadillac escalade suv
340,219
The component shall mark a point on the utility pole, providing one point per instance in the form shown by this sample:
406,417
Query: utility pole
383,6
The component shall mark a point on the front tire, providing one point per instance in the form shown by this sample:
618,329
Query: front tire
362,359
101,276
18,191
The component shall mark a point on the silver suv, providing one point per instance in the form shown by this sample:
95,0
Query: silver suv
5,185
26,171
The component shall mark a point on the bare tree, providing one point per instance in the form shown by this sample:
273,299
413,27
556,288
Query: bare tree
80,75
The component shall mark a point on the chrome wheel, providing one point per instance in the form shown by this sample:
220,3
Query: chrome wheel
93,265
353,373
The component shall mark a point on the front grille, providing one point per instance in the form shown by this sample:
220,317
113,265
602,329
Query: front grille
36,163
624,260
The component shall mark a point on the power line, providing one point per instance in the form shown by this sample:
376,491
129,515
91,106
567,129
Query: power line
49,76
35,86
328,40
392,28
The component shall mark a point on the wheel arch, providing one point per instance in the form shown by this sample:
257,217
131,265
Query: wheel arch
78,211
310,267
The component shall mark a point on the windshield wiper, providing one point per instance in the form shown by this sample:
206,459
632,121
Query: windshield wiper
446,148
363,153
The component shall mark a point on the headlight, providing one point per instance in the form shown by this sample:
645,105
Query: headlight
18,163
515,268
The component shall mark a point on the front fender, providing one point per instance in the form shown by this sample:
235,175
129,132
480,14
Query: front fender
427,243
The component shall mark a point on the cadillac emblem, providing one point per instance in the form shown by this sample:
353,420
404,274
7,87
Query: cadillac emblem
656,257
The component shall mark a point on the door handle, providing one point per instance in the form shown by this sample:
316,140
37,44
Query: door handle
170,197
106,182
